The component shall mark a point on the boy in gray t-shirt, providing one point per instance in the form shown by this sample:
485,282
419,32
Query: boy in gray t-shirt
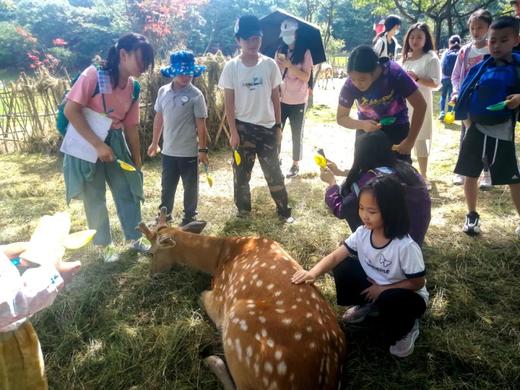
181,111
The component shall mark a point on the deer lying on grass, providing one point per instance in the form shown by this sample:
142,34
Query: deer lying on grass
276,335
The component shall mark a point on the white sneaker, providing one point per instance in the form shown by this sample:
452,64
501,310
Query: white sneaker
458,180
140,246
110,254
405,346
485,181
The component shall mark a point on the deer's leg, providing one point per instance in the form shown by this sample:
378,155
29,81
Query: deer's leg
212,307
219,368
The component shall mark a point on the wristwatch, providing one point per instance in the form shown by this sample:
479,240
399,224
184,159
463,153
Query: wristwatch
203,150
278,124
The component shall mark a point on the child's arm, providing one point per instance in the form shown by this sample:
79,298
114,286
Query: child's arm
323,266
418,103
134,144
373,292
158,121
456,75
275,98
201,129
229,104
343,118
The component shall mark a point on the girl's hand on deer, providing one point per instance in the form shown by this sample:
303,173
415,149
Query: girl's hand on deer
104,152
370,125
372,293
514,101
327,176
302,276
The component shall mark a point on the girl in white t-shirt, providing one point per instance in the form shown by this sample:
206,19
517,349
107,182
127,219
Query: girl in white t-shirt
386,279
469,55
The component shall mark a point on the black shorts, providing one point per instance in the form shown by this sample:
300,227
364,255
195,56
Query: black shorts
501,158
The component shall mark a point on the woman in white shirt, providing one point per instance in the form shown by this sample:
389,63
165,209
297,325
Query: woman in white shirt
423,65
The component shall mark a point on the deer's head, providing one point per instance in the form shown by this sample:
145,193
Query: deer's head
164,249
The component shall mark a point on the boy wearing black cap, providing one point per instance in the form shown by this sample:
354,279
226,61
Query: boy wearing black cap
252,100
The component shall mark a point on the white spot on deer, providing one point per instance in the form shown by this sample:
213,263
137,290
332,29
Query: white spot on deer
244,287
239,349
249,351
242,278
270,286
312,345
259,283
272,267
264,264
284,272
302,290
255,276
291,377
268,367
287,321
232,314
262,319
320,321
309,329
265,380
298,299
229,342
278,355
281,368
243,325
279,302
308,315
235,320
313,296
257,337
257,369
278,293
297,336
263,332
281,311
251,306
317,306
270,343
294,307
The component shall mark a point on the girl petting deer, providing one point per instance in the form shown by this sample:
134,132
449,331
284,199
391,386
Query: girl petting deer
386,278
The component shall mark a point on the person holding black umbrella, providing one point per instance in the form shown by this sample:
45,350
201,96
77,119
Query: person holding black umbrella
251,84
295,62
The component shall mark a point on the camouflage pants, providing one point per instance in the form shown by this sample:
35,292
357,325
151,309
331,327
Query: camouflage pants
259,141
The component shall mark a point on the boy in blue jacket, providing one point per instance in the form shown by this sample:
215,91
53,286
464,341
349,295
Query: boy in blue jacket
490,136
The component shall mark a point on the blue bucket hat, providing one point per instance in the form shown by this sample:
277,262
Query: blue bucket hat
182,62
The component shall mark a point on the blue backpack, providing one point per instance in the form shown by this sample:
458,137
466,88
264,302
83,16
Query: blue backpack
487,84
62,121
448,62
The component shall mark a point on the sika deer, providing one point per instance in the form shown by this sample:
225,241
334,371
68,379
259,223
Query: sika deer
276,335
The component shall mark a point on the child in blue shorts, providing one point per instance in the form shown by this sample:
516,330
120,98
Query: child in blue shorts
490,136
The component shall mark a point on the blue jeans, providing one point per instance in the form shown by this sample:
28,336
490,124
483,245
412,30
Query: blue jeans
445,94
94,200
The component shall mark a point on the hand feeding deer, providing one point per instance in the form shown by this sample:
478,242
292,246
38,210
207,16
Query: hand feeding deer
276,335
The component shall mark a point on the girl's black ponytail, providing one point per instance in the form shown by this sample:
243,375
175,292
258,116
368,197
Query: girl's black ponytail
130,42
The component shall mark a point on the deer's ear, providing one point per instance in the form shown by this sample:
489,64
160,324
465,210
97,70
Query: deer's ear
166,241
194,227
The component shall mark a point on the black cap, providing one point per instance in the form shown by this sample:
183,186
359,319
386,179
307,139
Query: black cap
248,26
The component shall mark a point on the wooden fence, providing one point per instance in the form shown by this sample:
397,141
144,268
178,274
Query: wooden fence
28,108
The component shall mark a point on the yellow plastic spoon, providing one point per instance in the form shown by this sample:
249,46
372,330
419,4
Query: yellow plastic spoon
320,160
237,157
208,176
125,166
78,239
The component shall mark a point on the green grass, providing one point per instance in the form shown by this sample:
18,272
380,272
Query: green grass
116,328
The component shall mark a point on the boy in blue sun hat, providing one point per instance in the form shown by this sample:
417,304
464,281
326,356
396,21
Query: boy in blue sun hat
181,111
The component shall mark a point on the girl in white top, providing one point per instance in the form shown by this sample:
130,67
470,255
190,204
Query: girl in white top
387,276
423,65
385,44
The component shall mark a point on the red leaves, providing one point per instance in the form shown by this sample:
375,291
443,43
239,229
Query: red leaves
59,42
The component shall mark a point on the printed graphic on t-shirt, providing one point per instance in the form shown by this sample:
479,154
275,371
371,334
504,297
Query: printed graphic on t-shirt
474,60
372,108
253,83
380,264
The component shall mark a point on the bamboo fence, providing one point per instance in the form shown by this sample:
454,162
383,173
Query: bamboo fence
28,108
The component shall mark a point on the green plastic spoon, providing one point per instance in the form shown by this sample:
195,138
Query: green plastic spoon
389,120
498,106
